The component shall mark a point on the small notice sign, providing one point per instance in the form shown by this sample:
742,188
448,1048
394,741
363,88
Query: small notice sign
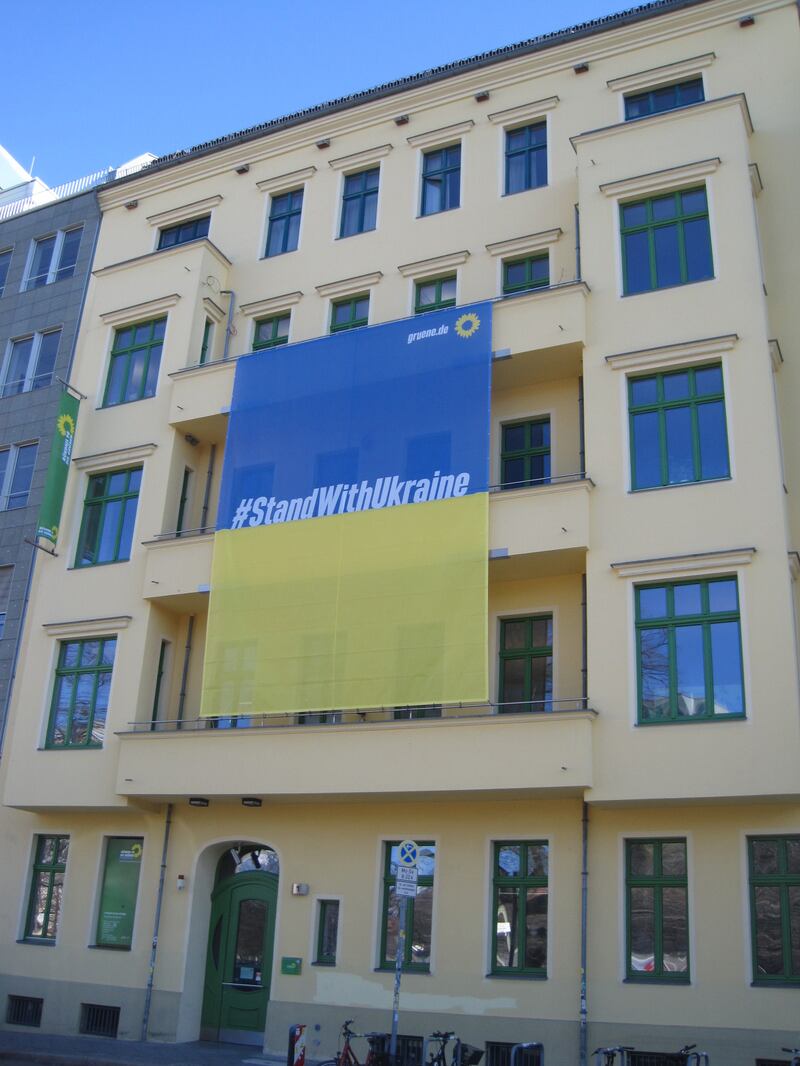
406,883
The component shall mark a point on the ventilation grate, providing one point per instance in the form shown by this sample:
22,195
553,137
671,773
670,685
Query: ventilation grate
655,1058
772,1062
498,1053
98,1020
24,1010
409,1049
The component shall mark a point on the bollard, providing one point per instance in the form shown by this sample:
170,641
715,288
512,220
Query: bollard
296,1055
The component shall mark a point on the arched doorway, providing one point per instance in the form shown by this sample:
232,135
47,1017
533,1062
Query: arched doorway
240,942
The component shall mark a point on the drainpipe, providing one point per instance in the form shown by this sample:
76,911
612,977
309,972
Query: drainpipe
577,243
584,1013
148,993
581,432
229,326
185,672
584,645
207,492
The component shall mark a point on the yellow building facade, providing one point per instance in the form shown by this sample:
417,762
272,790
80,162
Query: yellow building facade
624,194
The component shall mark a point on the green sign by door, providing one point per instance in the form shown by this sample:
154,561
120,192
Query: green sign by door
118,897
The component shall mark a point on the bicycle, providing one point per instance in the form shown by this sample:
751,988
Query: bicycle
610,1055
376,1055
463,1054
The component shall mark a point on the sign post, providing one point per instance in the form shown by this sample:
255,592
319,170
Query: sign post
405,888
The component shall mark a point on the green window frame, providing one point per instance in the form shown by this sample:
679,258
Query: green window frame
435,294
350,313
666,241
109,517
271,332
184,232
522,275
664,98
526,158
657,911
360,202
283,232
419,931
47,887
526,664
677,427
525,453
441,180
205,344
774,867
327,932
520,908
80,693
135,362
160,670
689,651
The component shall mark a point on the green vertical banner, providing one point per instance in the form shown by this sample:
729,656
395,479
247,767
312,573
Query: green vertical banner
118,895
58,468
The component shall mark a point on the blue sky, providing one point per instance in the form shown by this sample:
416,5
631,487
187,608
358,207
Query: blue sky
91,84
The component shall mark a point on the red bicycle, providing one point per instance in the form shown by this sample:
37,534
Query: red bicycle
376,1055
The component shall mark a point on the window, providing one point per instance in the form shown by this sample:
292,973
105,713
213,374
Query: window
441,180
520,275
526,158
677,427
526,664
689,651
412,714
47,888
5,263
163,653
327,931
135,361
16,473
657,910
206,343
350,313
525,453
270,332
183,500
435,295
109,514
30,363
666,241
360,202
283,234
80,693
118,892
519,941
6,573
664,98
775,908
418,910
54,258
184,232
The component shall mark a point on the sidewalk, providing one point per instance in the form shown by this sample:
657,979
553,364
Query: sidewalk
17,1048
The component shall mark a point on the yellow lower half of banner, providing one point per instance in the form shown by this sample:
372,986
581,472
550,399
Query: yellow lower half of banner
384,608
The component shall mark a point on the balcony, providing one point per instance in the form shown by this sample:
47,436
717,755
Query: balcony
468,749
178,570
539,336
201,399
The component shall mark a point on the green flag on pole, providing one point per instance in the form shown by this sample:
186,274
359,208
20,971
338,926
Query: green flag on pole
58,468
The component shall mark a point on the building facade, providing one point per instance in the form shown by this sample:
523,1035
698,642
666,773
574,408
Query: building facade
622,192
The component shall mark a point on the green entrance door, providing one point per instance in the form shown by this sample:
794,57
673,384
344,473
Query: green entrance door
239,961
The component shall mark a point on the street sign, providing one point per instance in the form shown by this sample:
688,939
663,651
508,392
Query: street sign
407,853
406,881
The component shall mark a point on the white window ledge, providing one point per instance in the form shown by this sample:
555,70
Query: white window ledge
685,353
670,566
185,213
424,267
88,627
646,79
523,112
532,242
661,179
120,457
350,286
138,312
271,304
360,159
440,136
283,182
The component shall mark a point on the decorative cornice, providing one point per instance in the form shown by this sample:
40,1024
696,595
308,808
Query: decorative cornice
661,179
644,79
668,565
111,460
139,311
523,112
88,627
271,303
176,249
349,286
684,353
440,136
184,213
433,266
675,115
532,242
213,310
284,182
360,159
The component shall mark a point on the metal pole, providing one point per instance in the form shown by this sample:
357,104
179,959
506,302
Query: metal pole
148,994
584,1013
398,973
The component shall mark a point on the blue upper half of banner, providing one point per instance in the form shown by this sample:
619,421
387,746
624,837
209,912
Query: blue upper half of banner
369,418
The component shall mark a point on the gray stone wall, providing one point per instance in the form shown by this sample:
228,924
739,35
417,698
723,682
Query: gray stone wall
30,416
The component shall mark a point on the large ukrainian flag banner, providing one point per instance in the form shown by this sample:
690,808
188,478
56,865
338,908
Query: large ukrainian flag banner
351,554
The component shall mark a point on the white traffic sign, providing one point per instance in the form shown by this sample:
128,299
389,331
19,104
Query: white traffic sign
406,882
407,853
